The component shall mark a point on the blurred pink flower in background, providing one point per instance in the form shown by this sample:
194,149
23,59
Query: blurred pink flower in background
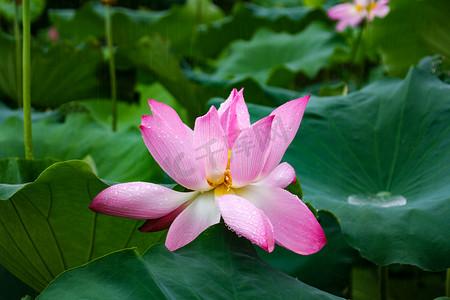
378,9
231,169
53,34
351,14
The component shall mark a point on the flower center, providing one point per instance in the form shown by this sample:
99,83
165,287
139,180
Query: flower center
359,8
223,190
226,181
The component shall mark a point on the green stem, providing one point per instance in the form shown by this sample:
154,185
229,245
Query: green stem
112,69
18,55
447,284
354,53
355,45
383,277
27,80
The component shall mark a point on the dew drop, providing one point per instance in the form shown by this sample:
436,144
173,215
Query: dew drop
381,199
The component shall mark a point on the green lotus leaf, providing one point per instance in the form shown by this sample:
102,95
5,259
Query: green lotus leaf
46,226
269,53
129,114
404,41
118,156
52,86
329,269
16,172
7,9
216,265
275,3
378,159
6,113
131,25
247,18
434,65
152,54
256,92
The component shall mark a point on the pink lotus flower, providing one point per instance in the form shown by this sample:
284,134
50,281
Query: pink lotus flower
53,34
352,14
378,9
233,170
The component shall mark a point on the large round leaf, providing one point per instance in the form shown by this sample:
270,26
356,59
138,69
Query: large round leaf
46,226
51,86
404,41
6,113
7,9
246,18
153,54
118,156
216,265
329,269
379,160
130,25
129,114
16,172
268,54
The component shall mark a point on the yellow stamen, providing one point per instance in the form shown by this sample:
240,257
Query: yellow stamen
359,8
228,182
223,190
224,182
211,184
